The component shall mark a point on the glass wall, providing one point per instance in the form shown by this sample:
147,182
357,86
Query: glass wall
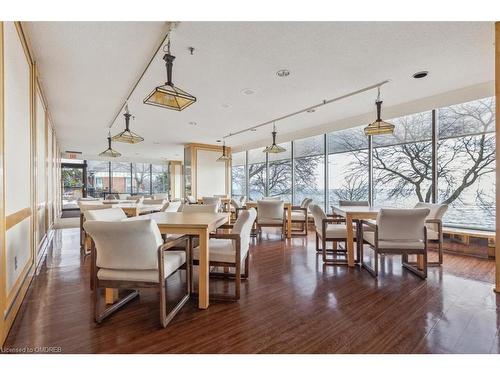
402,165
97,178
466,163
125,178
159,178
257,174
141,178
347,166
238,174
280,173
309,169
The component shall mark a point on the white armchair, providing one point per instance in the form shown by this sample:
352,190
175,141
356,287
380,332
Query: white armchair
132,255
231,250
434,224
271,213
106,214
397,231
190,199
331,230
212,201
171,206
299,214
86,206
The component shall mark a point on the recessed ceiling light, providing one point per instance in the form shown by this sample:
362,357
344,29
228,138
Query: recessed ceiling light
225,105
283,73
248,91
421,74
137,153
312,110
194,123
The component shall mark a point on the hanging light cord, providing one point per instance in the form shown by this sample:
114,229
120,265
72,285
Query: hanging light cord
166,37
324,102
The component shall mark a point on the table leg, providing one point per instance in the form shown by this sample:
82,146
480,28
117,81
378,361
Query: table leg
420,262
203,270
289,223
111,296
350,242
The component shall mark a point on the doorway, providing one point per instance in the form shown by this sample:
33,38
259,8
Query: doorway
73,180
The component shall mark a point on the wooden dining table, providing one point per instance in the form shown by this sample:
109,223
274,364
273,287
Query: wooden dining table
195,224
351,213
288,209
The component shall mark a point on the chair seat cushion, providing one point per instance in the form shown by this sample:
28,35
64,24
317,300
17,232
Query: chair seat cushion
337,231
269,221
396,245
221,250
298,215
172,261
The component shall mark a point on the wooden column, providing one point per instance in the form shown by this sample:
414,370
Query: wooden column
497,139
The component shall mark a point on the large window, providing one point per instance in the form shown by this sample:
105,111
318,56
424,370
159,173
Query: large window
402,163
238,174
256,174
466,163
97,178
280,173
159,177
121,181
347,166
141,178
309,169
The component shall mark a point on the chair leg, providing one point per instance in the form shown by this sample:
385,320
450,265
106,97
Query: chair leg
317,242
247,264
100,316
372,271
237,281
413,268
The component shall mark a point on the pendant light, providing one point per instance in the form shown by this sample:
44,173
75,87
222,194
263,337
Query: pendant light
379,126
224,157
109,152
274,148
168,95
127,136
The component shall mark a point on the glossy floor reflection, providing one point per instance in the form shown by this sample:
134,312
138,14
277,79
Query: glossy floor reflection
290,304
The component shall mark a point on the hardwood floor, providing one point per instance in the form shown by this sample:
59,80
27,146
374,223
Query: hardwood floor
290,304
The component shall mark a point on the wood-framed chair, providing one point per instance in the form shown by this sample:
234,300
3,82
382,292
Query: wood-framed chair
131,255
397,231
173,206
434,224
212,201
331,230
191,200
86,206
299,215
231,250
271,213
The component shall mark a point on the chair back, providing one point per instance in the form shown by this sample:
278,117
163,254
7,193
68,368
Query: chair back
190,199
270,209
243,200
395,224
199,208
318,216
108,214
211,200
84,208
437,212
271,198
306,202
236,203
243,227
354,203
160,196
220,195
171,206
126,245
155,201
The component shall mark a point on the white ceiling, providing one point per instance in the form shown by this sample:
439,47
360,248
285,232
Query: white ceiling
89,67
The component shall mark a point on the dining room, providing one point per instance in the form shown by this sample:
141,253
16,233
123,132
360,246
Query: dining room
248,187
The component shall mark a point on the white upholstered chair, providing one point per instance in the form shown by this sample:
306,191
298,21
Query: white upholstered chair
132,255
155,201
212,201
231,250
85,206
171,206
190,199
397,231
434,224
271,198
199,208
299,214
271,213
330,230
106,214
160,196
354,203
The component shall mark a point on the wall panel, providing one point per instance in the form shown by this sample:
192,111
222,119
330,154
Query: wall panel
41,175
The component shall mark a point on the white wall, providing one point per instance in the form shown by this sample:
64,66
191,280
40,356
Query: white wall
40,169
211,174
17,152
